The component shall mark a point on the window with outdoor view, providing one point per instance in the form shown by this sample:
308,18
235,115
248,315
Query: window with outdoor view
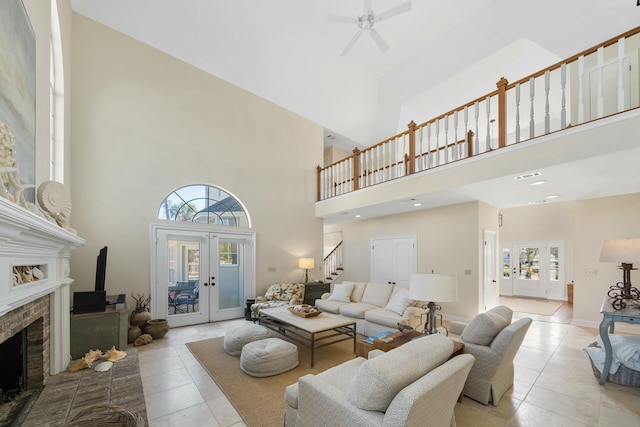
204,204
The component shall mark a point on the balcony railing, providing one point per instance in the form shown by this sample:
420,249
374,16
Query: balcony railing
596,83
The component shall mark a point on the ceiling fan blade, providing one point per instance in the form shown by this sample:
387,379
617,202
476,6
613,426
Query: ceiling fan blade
401,8
339,18
353,41
379,40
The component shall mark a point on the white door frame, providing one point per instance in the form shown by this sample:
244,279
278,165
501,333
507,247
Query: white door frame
158,285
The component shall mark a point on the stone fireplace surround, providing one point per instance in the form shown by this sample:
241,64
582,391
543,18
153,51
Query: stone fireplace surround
41,306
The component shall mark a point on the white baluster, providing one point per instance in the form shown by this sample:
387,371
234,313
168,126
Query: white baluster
421,160
580,89
438,142
429,159
518,113
466,132
456,155
563,106
488,101
476,148
547,118
600,77
446,139
532,93
620,74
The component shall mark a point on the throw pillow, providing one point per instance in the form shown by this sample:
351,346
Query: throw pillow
399,300
341,292
483,328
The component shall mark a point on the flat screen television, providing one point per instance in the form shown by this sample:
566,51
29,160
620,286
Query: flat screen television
101,269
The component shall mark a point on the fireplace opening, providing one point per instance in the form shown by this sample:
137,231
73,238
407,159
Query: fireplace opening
16,394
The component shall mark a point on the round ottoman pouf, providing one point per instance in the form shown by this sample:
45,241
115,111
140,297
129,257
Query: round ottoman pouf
235,339
268,357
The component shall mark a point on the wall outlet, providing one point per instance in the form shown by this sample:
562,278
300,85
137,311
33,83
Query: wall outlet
590,272
271,270
467,272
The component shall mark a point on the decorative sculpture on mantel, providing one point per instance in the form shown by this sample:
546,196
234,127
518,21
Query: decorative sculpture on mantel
55,200
9,170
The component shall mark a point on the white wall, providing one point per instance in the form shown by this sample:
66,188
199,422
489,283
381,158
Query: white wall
144,124
449,240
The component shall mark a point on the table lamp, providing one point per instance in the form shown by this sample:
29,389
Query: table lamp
433,287
625,252
306,264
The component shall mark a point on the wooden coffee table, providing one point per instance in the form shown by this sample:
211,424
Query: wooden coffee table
313,332
399,339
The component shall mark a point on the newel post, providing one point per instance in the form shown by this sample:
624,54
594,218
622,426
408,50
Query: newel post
411,167
502,112
470,135
356,169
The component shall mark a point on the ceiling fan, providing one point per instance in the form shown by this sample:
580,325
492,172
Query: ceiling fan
365,21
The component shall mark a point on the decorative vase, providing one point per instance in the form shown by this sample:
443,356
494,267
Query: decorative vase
157,328
140,318
133,333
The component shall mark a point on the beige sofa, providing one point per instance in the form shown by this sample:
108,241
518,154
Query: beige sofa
376,307
412,386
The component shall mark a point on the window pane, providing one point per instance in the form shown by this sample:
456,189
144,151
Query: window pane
554,264
506,262
529,263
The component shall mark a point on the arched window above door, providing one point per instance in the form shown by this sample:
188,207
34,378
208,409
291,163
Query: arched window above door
204,204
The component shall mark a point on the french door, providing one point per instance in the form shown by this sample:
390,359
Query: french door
201,276
533,270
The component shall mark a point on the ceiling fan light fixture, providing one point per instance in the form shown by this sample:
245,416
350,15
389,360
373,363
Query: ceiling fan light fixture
366,20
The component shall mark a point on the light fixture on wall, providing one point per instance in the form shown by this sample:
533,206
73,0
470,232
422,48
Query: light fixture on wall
433,287
625,252
306,264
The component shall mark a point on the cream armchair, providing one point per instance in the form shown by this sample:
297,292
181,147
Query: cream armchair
412,385
494,341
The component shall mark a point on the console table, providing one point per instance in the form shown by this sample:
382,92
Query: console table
609,317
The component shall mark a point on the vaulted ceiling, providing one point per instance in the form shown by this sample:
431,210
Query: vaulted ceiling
442,53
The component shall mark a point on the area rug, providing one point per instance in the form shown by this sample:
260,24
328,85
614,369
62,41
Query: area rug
531,306
260,401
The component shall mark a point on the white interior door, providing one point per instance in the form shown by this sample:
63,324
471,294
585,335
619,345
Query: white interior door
490,279
201,276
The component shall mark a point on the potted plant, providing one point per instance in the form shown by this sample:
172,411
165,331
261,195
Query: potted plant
141,314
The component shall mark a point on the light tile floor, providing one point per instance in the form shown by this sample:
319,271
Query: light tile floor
554,384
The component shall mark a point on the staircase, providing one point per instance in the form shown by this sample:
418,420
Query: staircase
333,264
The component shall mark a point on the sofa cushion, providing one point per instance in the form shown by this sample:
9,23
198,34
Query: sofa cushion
341,292
380,379
399,300
377,294
329,306
285,292
358,291
484,327
382,316
356,310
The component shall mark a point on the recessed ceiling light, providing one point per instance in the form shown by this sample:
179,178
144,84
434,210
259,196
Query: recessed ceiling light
538,182
553,196
358,216
417,204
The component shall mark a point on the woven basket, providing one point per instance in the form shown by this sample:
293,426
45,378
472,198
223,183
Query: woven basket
106,415
623,376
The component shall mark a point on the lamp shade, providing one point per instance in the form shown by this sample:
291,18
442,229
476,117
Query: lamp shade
306,263
620,250
433,287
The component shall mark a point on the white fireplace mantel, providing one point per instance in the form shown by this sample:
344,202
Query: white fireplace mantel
27,239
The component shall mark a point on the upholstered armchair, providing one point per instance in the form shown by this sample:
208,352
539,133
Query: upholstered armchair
278,295
494,341
413,385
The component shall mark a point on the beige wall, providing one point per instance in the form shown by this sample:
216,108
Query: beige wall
582,225
144,124
448,241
